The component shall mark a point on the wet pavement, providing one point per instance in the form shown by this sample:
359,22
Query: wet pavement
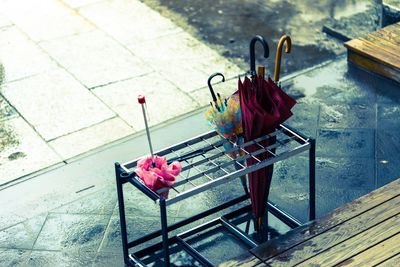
229,25
74,219
67,215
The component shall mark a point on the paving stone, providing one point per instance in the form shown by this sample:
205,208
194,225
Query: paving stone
80,3
304,116
346,143
4,21
387,170
184,55
345,173
57,258
24,151
12,257
138,204
101,202
124,20
94,58
388,116
20,56
137,226
44,19
203,95
71,232
104,259
89,138
22,235
62,105
164,100
331,84
6,111
388,144
347,116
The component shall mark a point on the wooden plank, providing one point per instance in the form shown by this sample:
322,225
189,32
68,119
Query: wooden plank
376,254
342,214
392,262
369,50
337,234
390,35
383,44
373,66
356,245
383,36
251,261
394,28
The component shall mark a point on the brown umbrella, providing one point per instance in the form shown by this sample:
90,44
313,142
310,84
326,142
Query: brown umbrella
264,106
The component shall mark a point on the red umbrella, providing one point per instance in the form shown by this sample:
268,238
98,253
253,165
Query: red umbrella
264,106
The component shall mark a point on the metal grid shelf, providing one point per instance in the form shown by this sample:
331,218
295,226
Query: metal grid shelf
206,163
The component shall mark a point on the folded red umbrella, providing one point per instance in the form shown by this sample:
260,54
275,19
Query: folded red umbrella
264,106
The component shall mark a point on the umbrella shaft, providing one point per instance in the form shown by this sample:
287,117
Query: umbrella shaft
147,130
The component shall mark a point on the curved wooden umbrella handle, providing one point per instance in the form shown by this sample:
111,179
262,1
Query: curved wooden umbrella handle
278,58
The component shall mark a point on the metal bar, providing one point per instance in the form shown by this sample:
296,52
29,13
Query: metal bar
292,131
184,222
194,253
197,169
283,216
238,233
235,174
136,261
130,164
211,170
312,179
164,229
121,207
139,185
211,161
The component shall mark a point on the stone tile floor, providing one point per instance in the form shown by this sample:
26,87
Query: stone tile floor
73,69
352,115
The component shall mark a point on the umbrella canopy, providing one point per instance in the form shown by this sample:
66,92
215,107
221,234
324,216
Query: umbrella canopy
264,106
225,116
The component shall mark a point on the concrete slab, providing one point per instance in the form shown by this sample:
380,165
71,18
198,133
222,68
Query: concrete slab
26,154
62,105
128,21
22,235
84,140
95,59
164,100
44,20
347,116
60,258
20,56
184,60
4,21
70,231
13,257
80,3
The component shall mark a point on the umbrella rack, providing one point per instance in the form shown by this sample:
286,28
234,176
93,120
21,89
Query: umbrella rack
205,165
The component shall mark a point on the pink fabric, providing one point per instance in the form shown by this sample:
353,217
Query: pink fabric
162,175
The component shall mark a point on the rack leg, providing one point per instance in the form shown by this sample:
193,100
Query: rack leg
122,220
164,229
312,179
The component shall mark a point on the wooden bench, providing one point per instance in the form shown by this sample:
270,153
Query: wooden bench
365,232
378,52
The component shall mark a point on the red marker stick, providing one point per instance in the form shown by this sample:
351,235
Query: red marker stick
142,102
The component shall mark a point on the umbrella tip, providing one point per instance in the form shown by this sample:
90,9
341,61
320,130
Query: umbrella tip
141,99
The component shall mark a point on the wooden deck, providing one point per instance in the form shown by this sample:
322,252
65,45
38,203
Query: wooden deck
365,232
378,52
